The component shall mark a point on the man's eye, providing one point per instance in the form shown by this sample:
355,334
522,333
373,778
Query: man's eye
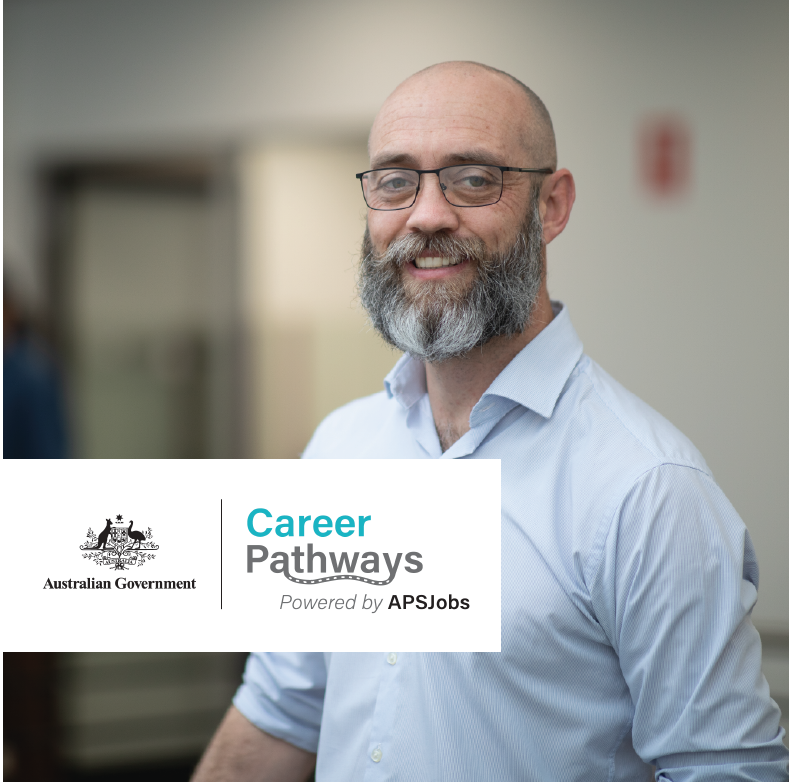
471,178
396,183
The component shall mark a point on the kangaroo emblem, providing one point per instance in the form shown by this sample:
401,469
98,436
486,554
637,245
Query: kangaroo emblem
101,540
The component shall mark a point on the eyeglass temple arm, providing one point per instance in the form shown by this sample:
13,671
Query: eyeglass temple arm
533,171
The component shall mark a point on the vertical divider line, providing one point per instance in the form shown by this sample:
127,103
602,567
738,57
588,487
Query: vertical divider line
220,554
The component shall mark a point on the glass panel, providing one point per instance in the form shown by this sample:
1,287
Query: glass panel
390,188
471,186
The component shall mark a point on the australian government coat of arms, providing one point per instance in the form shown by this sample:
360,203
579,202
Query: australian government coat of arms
119,546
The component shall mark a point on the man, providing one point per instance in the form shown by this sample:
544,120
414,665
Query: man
627,577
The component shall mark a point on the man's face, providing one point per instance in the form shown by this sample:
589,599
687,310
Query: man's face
448,116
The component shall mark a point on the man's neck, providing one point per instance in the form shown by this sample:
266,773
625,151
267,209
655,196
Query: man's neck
456,385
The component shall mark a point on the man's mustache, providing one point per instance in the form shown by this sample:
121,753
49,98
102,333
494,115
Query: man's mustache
405,249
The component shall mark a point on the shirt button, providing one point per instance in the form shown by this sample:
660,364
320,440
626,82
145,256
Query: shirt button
392,658
376,755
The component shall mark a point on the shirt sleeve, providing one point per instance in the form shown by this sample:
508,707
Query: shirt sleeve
283,694
674,592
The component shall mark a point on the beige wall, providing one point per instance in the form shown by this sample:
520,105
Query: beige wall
311,347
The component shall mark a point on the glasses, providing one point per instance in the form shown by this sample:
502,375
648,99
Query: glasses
469,185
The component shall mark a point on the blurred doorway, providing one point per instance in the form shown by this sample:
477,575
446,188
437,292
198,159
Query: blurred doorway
112,716
143,294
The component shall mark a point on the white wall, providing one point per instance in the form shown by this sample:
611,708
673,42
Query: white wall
685,303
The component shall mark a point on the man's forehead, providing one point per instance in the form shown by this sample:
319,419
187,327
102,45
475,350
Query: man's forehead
449,113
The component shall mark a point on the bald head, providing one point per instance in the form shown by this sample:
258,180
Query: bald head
460,90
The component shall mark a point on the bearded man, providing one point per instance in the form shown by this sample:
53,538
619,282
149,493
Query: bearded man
627,577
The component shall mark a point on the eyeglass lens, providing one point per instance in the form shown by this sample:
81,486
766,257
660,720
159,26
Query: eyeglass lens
463,186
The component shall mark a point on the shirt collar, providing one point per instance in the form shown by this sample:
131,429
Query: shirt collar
406,381
538,373
534,378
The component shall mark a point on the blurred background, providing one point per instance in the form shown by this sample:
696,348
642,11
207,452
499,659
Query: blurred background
182,227
112,716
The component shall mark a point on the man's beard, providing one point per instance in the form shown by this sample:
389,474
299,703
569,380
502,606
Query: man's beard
438,321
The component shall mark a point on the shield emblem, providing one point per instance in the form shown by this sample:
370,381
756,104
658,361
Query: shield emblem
119,536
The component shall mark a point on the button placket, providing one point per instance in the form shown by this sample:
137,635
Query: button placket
378,768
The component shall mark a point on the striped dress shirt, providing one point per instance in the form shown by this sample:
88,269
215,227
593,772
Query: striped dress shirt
628,581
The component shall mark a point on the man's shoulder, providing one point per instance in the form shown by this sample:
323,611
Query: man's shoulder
631,420
342,431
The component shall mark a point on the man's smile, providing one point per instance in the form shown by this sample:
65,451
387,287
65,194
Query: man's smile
433,262
435,267
429,264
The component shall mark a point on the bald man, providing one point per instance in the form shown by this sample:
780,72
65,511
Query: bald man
627,577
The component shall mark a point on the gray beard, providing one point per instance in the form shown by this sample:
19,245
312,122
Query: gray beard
440,322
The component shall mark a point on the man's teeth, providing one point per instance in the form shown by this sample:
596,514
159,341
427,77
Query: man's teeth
432,262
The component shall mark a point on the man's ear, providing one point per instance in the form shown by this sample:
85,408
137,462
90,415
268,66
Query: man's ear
556,201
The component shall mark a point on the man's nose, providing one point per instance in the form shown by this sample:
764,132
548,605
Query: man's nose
431,211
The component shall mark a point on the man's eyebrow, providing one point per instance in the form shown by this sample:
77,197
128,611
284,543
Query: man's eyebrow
388,159
406,160
473,156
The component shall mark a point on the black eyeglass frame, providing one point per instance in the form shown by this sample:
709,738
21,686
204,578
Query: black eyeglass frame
420,172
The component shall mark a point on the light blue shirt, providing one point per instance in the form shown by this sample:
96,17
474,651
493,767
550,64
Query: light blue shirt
628,582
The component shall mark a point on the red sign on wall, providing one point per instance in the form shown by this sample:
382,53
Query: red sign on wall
665,155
